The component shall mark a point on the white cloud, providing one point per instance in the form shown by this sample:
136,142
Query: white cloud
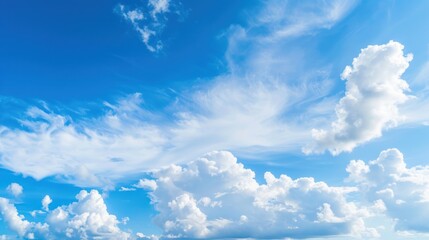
128,139
87,218
45,202
125,189
18,224
297,208
404,191
146,184
149,23
140,235
290,19
158,7
15,189
12,218
374,90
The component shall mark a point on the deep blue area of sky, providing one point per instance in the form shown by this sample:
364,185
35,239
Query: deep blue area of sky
68,50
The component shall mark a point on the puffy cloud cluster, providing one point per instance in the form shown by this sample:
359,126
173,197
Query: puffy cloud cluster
148,26
374,90
87,218
12,218
404,191
217,197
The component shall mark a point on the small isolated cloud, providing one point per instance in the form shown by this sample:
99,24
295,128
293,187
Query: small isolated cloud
217,197
15,189
125,189
140,235
374,90
87,218
149,21
404,191
45,202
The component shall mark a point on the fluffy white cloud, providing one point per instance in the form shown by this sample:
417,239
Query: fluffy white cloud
146,184
45,202
217,197
404,191
18,224
15,189
374,90
12,218
87,218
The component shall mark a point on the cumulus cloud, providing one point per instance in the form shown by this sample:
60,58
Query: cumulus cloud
87,218
374,90
404,191
149,21
217,197
12,218
15,189
17,222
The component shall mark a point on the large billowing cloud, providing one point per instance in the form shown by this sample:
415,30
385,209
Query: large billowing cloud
374,90
403,190
87,218
217,197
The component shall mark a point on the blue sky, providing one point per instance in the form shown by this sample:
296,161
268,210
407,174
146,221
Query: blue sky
159,119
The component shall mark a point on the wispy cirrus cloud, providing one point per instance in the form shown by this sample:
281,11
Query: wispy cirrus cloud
283,19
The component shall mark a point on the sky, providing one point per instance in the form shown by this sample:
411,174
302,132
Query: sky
216,119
